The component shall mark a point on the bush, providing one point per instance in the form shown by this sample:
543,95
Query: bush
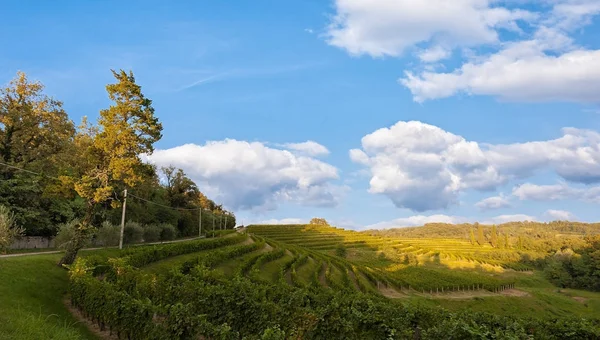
152,233
8,230
340,250
168,232
66,232
108,234
133,233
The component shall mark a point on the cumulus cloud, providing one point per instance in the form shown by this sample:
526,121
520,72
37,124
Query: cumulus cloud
491,203
523,71
538,63
422,167
246,175
309,148
555,192
560,215
387,28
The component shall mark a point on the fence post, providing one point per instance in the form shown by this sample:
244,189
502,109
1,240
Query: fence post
123,220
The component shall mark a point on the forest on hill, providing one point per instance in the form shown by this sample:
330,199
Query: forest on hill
55,175
569,252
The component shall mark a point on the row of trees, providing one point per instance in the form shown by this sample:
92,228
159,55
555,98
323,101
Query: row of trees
534,236
53,172
495,239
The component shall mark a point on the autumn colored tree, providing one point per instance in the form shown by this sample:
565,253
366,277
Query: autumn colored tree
472,236
506,242
111,161
34,132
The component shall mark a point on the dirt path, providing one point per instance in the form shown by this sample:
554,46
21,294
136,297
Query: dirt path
322,278
96,248
353,280
91,326
390,292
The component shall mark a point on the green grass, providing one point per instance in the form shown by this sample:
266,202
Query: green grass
270,270
32,289
306,271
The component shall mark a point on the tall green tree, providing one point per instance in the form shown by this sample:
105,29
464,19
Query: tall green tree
111,162
494,237
480,236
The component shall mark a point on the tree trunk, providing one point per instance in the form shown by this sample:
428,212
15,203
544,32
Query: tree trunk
79,238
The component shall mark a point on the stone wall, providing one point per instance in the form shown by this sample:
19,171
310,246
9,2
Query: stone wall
32,242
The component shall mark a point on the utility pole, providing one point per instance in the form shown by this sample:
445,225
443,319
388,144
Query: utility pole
200,222
123,220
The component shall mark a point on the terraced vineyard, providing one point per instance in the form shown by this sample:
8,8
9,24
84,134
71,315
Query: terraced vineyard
289,282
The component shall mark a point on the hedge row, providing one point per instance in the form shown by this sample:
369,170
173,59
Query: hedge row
146,255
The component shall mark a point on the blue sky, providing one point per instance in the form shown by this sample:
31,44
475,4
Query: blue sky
454,111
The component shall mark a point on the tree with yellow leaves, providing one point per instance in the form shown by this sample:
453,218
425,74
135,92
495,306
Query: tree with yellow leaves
109,156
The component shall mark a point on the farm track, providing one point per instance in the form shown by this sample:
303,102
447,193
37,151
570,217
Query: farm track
98,248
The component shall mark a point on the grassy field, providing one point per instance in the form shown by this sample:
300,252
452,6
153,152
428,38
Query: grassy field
32,289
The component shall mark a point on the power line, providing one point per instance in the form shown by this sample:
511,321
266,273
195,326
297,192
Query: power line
29,171
161,205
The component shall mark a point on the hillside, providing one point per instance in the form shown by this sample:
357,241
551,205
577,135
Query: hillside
304,281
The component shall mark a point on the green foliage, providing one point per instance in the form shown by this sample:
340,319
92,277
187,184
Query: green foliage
152,233
580,269
480,236
340,250
203,304
167,232
472,236
494,237
133,232
108,234
8,228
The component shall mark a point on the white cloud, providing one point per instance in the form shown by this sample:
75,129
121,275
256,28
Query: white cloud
538,63
419,220
509,218
555,192
491,203
560,215
309,148
385,27
434,54
281,221
523,72
422,167
246,175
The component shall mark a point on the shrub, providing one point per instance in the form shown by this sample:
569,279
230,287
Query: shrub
152,233
133,232
168,232
108,234
8,229
66,233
